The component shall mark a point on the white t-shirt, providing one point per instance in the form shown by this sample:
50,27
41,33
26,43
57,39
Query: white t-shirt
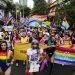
33,54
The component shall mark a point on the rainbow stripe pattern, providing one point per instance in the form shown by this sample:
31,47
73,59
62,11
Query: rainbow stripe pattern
39,17
64,56
3,56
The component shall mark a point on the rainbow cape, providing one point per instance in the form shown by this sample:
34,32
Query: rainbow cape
3,56
64,56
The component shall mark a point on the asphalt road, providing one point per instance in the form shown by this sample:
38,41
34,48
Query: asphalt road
20,70
56,70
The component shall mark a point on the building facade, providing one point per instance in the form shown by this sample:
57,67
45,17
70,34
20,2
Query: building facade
52,6
23,2
3,3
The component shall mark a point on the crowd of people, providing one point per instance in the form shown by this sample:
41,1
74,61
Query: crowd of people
52,37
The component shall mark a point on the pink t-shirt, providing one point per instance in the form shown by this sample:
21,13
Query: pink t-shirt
16,40
42,41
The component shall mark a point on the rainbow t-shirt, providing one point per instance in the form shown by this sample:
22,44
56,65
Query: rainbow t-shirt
64,56
3,56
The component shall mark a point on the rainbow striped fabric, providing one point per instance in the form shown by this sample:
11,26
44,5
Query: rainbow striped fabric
39,17
64,56
3,56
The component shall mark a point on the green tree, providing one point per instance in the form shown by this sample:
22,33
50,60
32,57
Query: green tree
67,9
40,7
25,9
9,7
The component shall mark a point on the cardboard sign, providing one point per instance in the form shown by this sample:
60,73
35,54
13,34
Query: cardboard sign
34,67
20,50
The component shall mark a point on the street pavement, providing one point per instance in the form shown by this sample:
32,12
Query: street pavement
20,69
56,70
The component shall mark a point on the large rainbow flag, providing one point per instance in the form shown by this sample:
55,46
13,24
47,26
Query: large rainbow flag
39,17
3,56
64,56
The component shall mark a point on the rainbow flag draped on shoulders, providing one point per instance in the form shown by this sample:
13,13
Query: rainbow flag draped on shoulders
3,56
64,56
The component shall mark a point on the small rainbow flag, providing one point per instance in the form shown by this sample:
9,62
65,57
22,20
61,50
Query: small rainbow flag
64,56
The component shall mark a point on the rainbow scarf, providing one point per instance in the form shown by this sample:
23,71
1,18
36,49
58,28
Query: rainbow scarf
64,56
3,56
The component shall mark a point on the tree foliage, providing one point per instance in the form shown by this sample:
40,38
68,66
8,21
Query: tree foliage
68,10
25,9
9,7
40,7
12,8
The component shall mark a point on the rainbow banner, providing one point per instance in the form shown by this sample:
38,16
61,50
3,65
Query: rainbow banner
64,56
39,17
3,56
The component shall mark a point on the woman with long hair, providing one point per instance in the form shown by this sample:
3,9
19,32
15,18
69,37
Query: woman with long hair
5,56
34,59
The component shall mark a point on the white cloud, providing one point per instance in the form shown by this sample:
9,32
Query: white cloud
30,3
15,1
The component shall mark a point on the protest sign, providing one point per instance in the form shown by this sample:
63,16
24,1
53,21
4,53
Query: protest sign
20,50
